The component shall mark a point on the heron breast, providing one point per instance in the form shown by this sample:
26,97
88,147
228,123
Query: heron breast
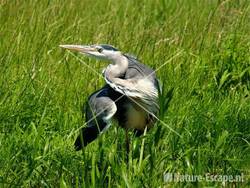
136,117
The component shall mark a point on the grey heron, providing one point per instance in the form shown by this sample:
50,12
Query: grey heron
130,94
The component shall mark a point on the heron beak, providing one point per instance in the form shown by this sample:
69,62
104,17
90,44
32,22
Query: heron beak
79,48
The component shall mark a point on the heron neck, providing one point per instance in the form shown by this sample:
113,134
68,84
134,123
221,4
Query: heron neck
118,68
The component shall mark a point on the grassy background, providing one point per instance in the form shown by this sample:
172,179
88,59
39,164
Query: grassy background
43,88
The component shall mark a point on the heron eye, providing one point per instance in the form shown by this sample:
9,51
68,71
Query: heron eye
100,50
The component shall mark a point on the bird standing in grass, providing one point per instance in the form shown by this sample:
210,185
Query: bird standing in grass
130,95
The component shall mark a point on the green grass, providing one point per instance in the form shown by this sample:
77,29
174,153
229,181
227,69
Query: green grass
43,88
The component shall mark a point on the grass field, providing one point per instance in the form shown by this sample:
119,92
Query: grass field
43,88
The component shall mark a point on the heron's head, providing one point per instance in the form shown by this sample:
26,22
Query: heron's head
100,51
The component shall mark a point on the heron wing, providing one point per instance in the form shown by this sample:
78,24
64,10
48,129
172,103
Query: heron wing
100,105
99,110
